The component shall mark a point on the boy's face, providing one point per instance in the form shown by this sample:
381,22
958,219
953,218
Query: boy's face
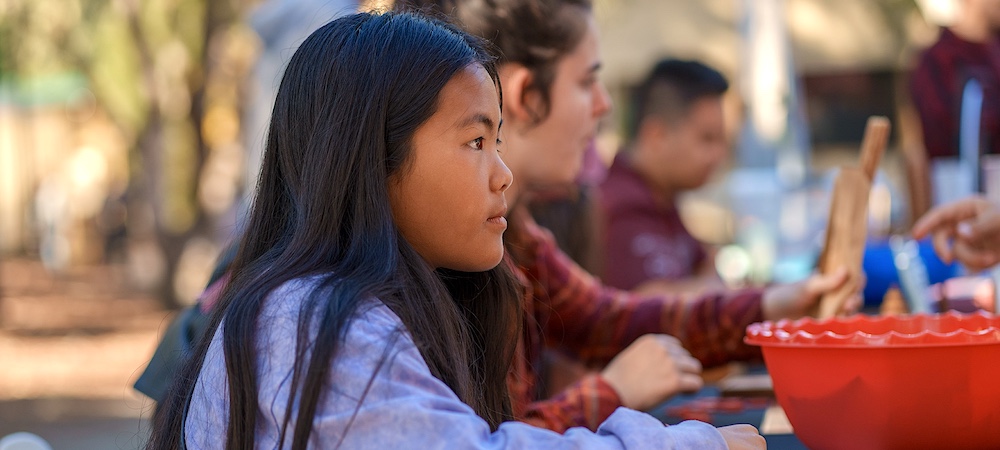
991,10
694,146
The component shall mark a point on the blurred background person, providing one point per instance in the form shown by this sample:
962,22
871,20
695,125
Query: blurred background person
281,26
571,212
955,88
677,142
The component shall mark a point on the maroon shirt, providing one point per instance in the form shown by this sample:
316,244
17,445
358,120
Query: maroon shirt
644,238
936,87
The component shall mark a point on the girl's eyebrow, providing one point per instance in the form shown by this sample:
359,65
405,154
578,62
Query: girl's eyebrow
477,119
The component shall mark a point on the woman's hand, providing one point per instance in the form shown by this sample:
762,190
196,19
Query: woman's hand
792,301
652,369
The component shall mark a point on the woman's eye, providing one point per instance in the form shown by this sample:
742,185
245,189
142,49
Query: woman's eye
499,143
476,143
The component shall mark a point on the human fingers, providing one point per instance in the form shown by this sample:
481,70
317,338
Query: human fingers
820,283
666,340
860,280
983,295
686,363
983,232
946,215
855,301
680,365
851,305
975,259
742,437
690,382
650,370
942,246
678,354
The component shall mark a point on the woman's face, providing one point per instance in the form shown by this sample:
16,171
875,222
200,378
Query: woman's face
578,100
448,199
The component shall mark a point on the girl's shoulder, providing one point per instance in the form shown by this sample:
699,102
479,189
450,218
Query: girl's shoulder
371,332
284,303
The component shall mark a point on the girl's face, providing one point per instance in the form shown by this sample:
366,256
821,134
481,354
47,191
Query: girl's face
578,101
448,200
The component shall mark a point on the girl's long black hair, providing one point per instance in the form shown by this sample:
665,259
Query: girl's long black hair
348,105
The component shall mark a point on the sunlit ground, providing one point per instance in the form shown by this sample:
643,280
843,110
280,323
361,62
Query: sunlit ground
70,348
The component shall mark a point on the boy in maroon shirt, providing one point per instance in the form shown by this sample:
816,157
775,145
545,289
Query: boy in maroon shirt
969,49
677,142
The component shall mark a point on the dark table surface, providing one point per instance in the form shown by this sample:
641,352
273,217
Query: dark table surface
708,405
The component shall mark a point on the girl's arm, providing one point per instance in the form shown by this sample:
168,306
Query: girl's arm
406,407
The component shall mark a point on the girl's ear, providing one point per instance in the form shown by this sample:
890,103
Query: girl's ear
521,101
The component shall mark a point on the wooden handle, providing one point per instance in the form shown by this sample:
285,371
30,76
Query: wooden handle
873,145
847,226
846,232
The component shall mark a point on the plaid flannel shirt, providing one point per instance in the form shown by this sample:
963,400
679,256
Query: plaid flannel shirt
569,309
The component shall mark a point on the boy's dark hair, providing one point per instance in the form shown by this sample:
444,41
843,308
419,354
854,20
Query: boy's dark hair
348,105
671,88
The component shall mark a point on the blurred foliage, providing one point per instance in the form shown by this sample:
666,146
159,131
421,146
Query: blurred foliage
169,74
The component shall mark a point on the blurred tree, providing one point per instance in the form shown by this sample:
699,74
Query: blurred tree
169,74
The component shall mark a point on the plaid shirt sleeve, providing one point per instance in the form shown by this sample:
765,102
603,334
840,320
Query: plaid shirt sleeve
594,322
586,403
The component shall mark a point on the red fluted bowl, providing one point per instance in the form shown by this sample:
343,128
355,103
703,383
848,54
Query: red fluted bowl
906,382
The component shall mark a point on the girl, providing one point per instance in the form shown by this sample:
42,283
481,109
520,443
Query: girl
366,307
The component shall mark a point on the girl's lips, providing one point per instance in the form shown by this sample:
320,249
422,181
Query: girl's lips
498,220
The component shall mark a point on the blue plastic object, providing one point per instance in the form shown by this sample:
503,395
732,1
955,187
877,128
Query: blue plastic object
881,271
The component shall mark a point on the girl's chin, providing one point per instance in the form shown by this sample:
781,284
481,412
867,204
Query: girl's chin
487,263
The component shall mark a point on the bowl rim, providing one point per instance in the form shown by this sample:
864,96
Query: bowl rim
792,333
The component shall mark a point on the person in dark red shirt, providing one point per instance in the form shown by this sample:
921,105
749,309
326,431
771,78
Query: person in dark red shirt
677,142
968,49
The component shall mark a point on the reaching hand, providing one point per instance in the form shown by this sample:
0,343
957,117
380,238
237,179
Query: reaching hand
740,437
651,370
792,301
967,230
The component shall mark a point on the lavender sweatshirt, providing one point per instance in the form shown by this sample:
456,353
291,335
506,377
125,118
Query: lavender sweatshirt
405,407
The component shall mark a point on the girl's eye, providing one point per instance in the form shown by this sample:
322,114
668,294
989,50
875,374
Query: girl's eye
499,143
476,143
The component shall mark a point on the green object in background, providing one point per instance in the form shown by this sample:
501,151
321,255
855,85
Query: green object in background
44,90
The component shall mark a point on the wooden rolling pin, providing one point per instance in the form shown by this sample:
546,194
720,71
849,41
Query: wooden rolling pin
847,227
